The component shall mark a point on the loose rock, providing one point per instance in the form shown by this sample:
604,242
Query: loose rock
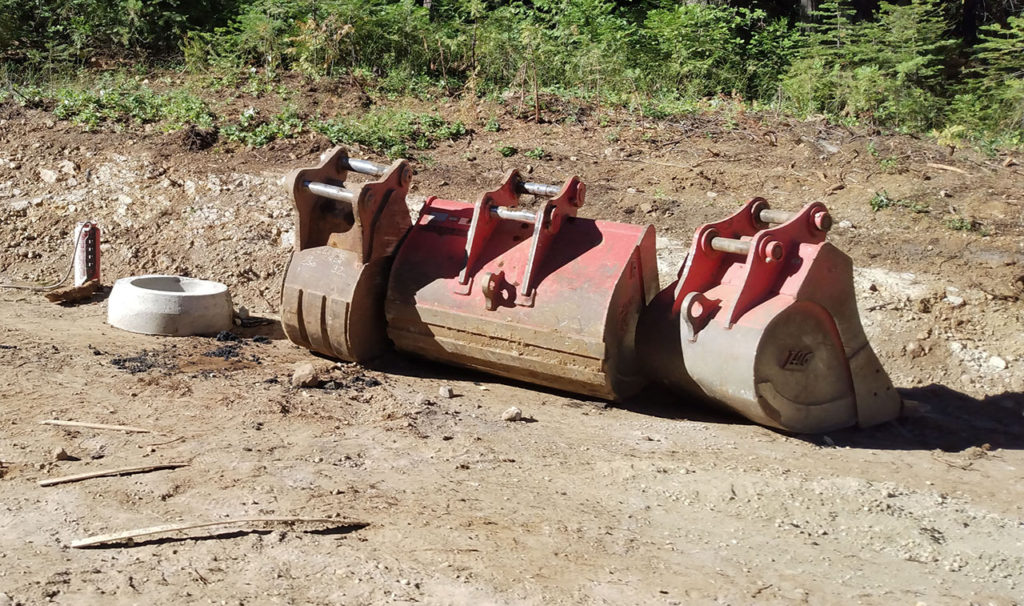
914,349
512,414
305,375
845,224
47,175
58,454
446,392
955,301
997,363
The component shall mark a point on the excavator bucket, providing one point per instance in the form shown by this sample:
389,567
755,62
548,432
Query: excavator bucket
332,300
761,320
542,296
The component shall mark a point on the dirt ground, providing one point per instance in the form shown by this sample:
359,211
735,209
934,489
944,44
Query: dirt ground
436,499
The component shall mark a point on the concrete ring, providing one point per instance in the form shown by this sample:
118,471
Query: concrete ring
169,305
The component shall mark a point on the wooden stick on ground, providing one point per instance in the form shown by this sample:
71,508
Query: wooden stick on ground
947,167
142,532
125,428
110,472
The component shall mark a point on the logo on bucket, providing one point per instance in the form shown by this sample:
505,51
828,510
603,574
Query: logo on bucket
797,359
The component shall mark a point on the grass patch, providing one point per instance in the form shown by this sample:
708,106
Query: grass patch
128,102
882,200
391,132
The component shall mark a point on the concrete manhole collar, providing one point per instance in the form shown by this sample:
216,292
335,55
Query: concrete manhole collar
169,305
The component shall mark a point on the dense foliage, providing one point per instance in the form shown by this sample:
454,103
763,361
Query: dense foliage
912,64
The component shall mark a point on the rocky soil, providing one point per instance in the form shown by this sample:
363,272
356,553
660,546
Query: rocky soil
439,499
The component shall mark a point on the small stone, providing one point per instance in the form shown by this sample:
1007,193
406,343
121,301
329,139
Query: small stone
997,363
47,175
631,190
67,167
955,301
914,349
573,159
59,454
19,206
712,194
529,169
243,312
846,224
646,207
945,194
305,375
445,391
512,414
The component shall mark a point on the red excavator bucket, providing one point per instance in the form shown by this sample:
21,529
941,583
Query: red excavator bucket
762,319
541,296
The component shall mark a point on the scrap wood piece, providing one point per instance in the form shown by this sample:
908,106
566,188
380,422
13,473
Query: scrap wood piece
110,472
141,532
125,428
948,167
73,294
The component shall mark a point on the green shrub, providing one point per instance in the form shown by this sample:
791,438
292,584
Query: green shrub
992,102
886,71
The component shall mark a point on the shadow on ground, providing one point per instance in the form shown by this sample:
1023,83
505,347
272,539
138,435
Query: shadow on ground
946,420
943,419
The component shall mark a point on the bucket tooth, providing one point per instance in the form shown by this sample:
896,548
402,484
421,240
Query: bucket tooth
768,325
332,300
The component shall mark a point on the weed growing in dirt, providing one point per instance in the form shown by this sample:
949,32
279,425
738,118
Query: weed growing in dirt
958,223
130,102
256,132
391,132
536,153
492,126
507,151
882,200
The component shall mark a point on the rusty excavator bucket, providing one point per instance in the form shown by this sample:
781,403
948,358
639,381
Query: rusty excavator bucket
761,320
332,301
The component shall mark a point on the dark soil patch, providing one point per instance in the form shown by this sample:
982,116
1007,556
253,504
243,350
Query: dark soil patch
194,138
144,361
